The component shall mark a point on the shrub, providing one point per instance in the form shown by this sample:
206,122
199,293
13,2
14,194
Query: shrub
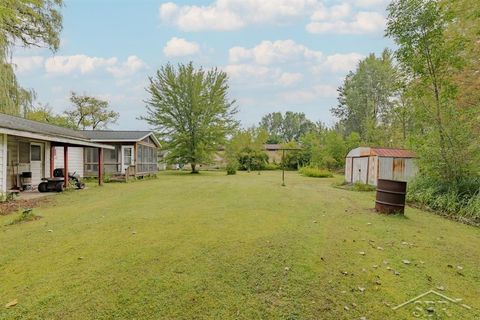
254,160
231,168
315,172
459,200
272,166
362,187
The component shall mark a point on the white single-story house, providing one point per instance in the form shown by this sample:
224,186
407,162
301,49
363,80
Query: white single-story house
27,149
135,151
367,165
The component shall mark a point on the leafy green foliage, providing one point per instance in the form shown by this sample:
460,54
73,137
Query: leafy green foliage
46,115
284,128
29,23
315,172
190,109
90,112
367,99
430,58
246,148
231,168
460,200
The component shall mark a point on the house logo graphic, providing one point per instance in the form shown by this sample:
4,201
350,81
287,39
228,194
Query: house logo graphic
433,304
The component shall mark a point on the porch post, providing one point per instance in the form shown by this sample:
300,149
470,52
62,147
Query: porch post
100,166
52,159
65,166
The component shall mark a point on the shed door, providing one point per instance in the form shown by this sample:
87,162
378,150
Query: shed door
36,163
360,169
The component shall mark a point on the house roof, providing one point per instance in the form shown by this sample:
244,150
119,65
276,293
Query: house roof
17,123
381,152
18,126
119,135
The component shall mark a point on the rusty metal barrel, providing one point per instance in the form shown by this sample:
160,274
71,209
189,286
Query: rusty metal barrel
390,196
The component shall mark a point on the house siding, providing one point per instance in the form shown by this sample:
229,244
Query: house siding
75,159
3,164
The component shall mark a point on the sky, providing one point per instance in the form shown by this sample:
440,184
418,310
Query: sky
280,55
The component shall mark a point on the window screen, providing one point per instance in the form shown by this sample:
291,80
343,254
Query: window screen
35,153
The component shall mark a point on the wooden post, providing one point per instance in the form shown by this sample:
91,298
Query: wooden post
100,166
283,167
52,159
65,166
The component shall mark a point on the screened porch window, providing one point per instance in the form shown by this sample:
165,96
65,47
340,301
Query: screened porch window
147,159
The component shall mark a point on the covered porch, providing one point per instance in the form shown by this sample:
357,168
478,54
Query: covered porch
27,158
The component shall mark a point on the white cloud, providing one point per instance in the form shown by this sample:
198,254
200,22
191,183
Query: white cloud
83,64
246,72
178,47
25,64
127,68
311,94
287,79
268,52
341,63
225,15
340,21
77,63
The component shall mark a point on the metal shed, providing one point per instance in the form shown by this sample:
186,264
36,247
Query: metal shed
367,165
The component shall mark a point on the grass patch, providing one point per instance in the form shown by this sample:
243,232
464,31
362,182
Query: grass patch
315,172
357,186
213,246
25,216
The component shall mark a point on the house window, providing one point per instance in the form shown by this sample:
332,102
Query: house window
35,153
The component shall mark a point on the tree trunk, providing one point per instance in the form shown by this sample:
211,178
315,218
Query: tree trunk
194,165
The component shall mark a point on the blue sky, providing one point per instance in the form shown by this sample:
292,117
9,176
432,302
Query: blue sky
279,54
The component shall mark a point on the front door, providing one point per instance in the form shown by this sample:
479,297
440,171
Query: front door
127,157
36,163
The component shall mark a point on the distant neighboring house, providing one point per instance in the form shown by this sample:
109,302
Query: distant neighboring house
367,165
133,150
28,148
273,152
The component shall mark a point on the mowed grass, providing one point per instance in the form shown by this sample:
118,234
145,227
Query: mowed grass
213,246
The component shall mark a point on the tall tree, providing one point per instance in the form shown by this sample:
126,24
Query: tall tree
431,58
90,112
29,23
46,115
284,128
367,98
190,108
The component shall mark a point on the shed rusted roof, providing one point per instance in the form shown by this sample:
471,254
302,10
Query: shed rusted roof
397,153
381,152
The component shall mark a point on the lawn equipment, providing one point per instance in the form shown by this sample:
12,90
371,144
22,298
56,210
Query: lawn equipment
57,182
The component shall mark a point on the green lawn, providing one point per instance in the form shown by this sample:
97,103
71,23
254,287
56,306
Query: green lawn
212,246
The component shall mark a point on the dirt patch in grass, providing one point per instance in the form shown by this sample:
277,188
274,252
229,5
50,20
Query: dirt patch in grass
14,206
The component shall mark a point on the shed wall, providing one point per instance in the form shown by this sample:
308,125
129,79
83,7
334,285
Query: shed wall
348,170
3,164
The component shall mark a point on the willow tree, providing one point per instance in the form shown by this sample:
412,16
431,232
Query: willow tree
28,23
191,110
